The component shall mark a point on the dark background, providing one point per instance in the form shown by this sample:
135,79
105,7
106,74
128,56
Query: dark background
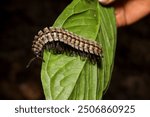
21,19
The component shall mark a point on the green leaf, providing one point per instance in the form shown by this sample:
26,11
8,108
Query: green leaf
107,37
65,77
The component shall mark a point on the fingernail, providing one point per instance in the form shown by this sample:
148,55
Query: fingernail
102,1
106,1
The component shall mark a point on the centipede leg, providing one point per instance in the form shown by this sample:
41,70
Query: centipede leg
59,48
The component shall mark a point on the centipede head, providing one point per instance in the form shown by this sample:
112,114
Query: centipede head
34,58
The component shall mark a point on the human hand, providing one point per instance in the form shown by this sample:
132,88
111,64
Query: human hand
128,11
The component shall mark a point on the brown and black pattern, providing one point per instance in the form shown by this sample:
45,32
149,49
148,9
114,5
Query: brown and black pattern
59,40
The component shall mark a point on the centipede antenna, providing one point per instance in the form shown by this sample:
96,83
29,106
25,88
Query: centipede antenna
40,58
37,57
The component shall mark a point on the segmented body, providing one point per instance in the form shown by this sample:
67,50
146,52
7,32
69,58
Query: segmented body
61,40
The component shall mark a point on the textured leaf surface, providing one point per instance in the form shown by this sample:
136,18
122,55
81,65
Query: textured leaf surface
66,77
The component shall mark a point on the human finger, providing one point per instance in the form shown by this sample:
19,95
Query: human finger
126,13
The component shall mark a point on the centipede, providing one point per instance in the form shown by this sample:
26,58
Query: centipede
60,40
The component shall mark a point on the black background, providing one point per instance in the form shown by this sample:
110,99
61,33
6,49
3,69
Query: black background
21,19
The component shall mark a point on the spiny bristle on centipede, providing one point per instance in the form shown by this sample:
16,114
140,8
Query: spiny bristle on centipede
62,41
